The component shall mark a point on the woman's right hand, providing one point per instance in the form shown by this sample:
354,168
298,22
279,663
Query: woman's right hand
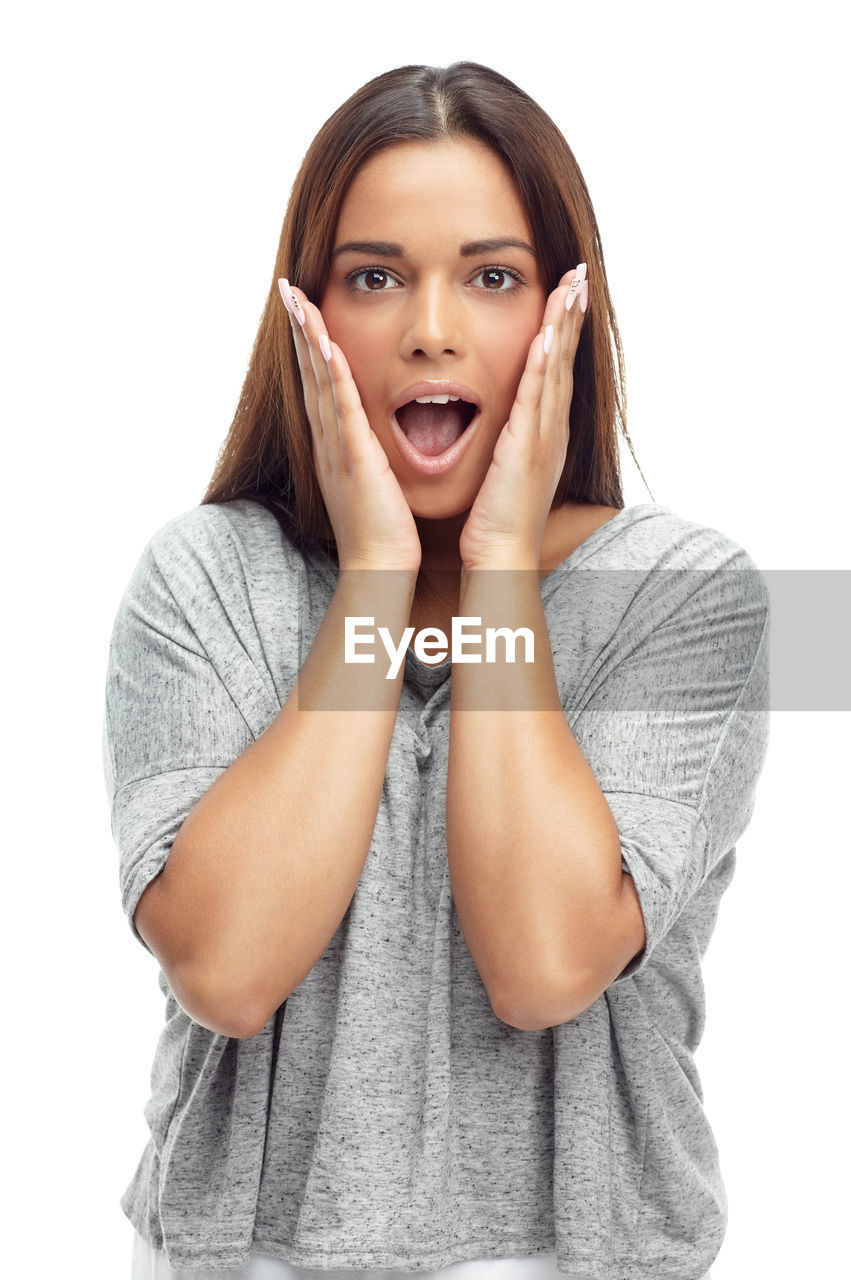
372,522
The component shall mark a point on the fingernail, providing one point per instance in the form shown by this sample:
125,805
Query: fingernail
325,346
284,286
548,339
298,310
291,302
576,284
583,296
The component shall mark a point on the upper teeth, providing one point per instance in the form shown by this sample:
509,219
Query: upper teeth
436,399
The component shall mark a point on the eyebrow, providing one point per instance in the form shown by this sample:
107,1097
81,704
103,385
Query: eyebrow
388,249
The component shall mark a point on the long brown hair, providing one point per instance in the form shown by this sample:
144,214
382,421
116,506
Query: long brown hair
267,454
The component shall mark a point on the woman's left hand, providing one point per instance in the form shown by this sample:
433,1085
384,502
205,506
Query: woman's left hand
505,527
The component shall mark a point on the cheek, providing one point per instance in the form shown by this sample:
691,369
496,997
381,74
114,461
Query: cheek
507,352
363,345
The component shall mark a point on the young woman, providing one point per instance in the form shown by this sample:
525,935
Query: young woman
427,757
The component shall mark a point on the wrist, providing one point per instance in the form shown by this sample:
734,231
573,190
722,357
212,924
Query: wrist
499,554
402,572
507,561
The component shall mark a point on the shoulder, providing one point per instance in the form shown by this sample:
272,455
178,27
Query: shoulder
222,547
216,559
218,530
652,581
665,534
671,546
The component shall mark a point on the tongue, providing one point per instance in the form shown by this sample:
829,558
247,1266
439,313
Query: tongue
432,428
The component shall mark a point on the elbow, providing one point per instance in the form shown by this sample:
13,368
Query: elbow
538,1010
211,1002
549,1005
551,1001
227,1006
547,1000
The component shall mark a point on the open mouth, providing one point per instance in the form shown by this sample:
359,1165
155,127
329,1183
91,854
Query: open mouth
432,424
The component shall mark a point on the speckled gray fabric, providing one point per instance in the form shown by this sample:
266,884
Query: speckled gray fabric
385,1117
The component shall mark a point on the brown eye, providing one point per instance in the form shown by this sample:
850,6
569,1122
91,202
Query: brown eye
501,280
371,280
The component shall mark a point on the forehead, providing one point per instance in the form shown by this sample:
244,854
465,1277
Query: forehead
456,187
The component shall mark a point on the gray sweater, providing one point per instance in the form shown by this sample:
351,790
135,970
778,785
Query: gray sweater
385,1117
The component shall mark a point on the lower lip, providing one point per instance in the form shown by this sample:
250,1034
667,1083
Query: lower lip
436,464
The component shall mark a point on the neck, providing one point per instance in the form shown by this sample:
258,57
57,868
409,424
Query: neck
440,568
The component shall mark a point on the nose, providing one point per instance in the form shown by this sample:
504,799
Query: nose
432,322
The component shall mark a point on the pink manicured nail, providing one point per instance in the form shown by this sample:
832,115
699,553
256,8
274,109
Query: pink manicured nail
576,284
291,302
548,339
325,346
298,310
583,296
283,284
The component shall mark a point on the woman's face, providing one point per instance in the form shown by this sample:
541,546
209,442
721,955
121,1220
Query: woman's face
425,288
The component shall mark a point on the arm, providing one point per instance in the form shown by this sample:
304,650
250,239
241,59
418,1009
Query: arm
534,852
264,867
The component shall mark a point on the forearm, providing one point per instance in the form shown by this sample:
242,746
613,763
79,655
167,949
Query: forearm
534,852
264,867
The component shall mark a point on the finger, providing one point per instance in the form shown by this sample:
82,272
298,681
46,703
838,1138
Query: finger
355,433
554,310
553,391
554,313
579,275
576,307
305,365
311,329
574,320
524,418
339,400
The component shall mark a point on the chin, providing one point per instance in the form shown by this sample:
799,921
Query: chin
438,506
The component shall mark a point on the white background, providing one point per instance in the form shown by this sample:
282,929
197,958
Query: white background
148,158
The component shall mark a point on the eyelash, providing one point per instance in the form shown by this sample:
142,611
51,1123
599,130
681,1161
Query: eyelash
508,271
